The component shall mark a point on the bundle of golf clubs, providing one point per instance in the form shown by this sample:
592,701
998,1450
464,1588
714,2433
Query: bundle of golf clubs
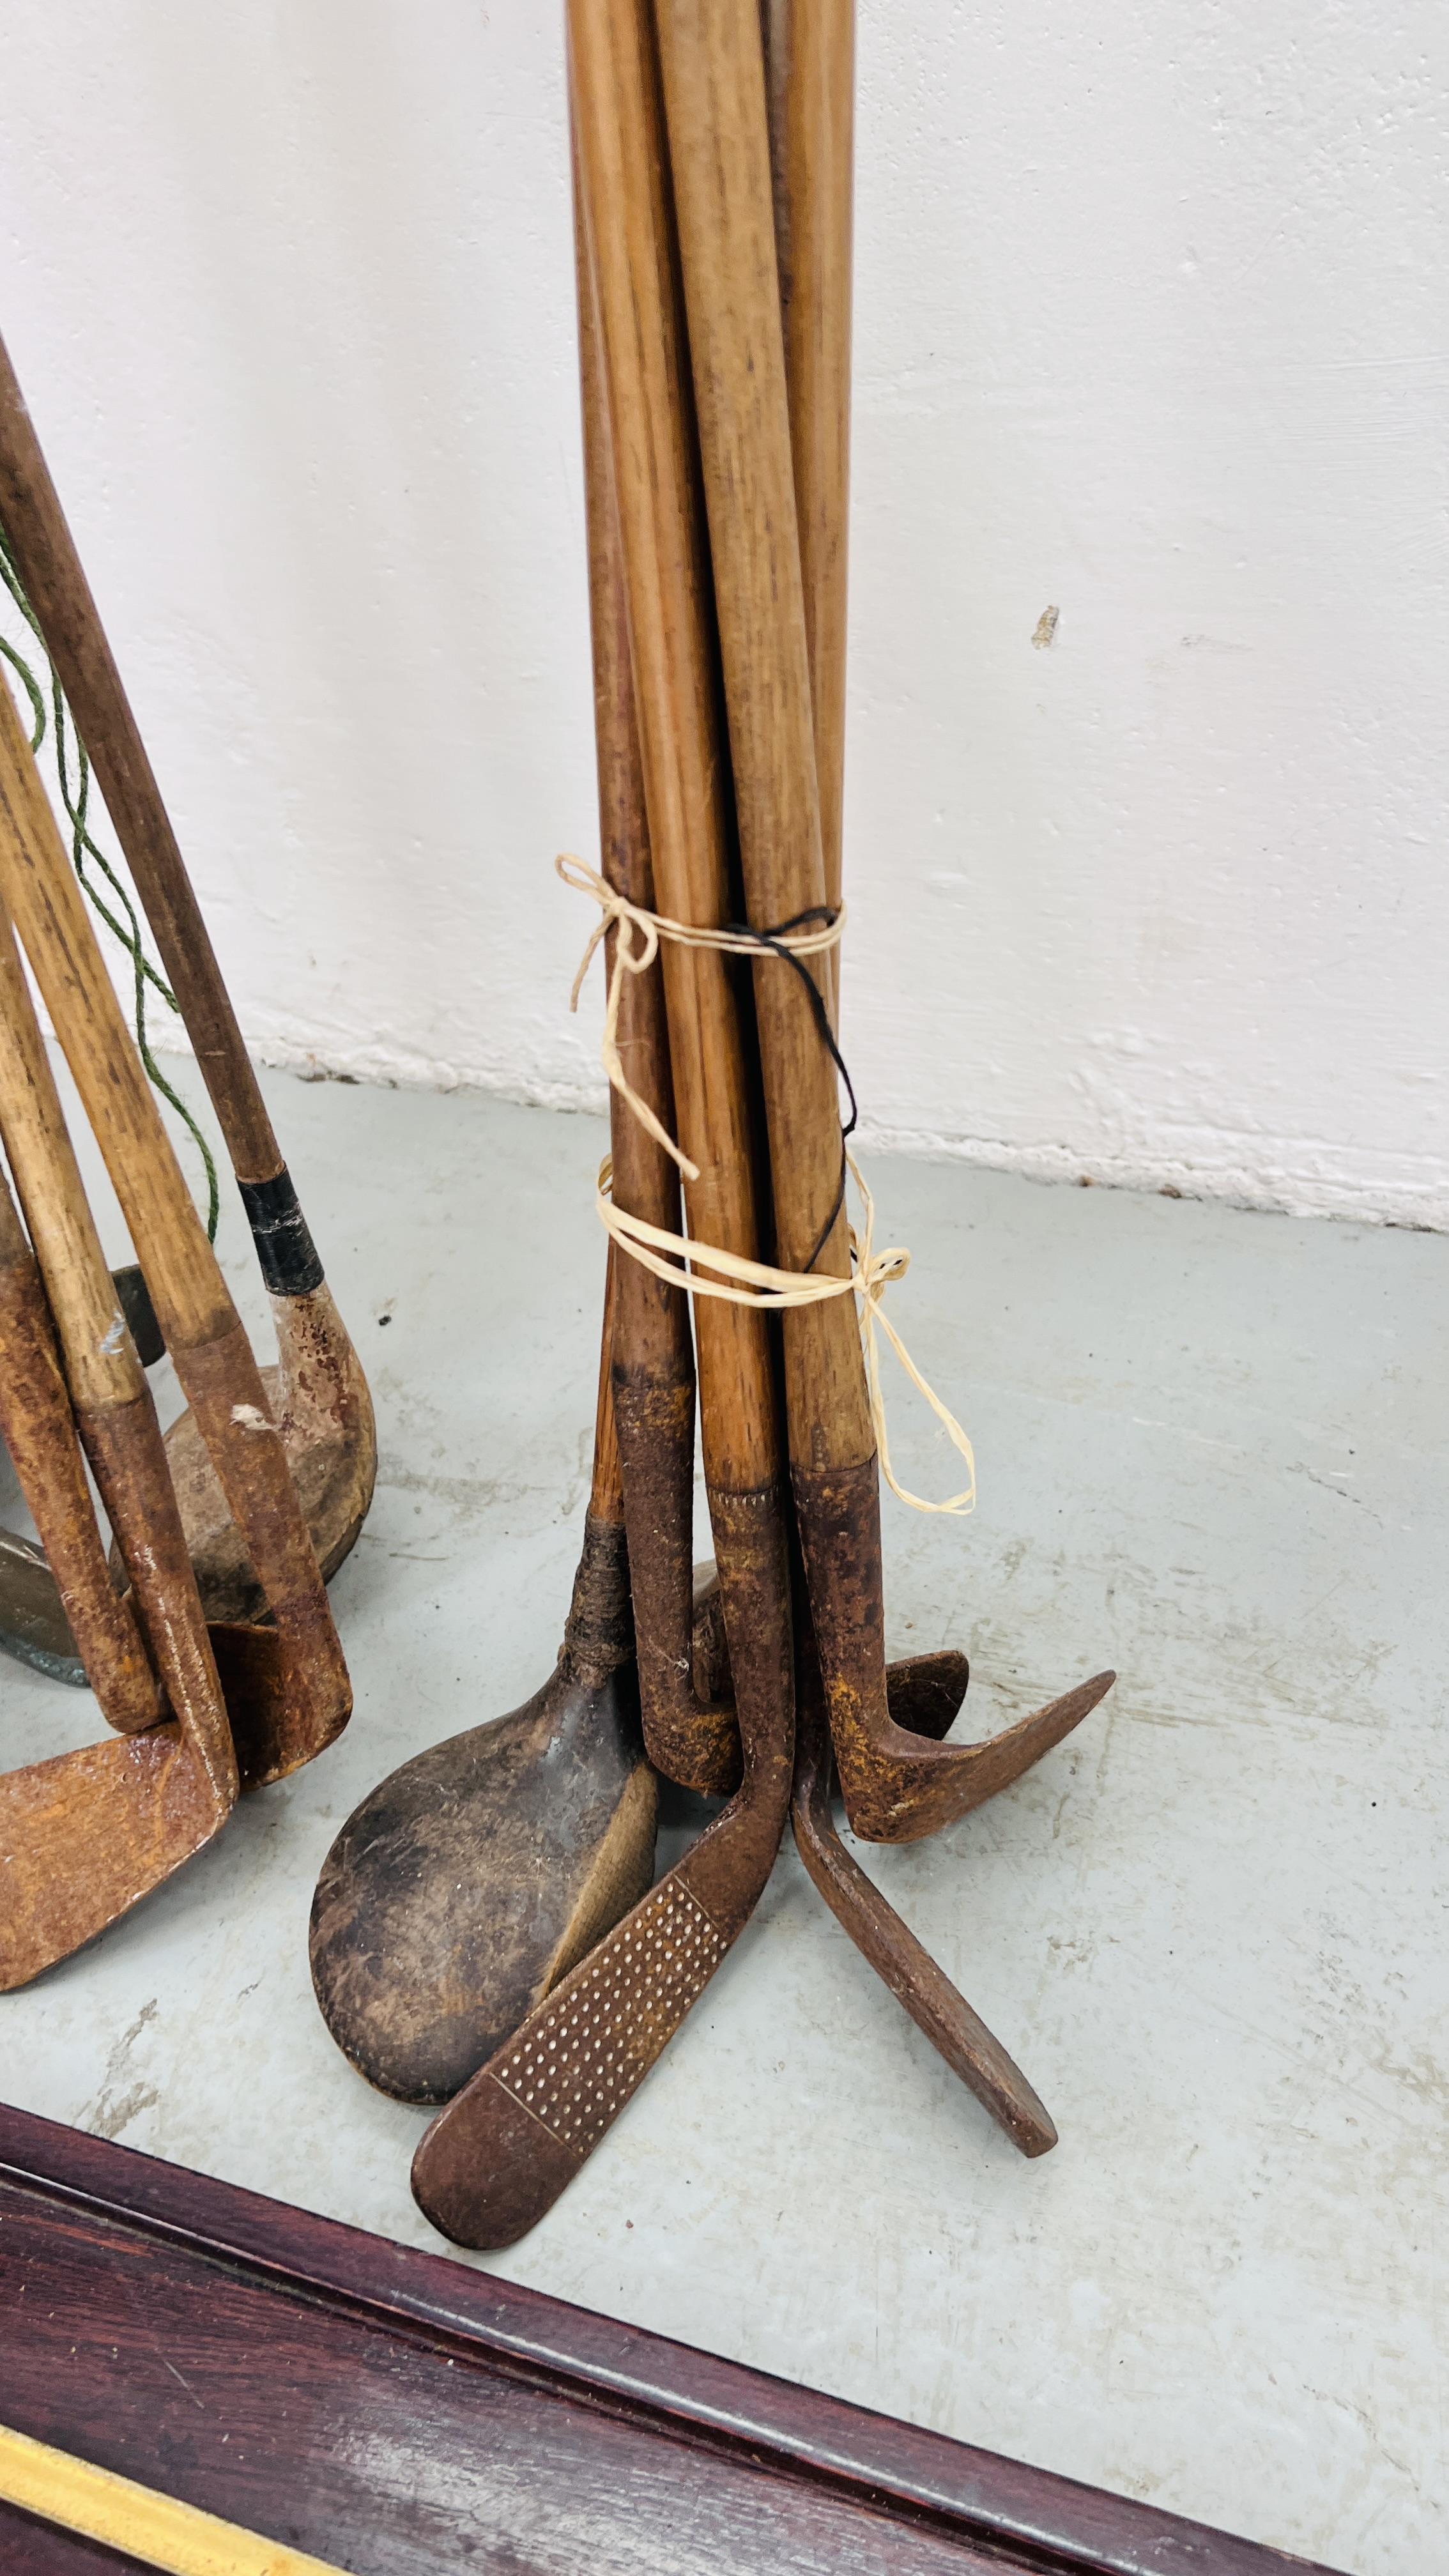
485,1933
206,1634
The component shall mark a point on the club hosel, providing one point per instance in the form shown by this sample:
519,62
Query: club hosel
654,1417
837,1513
727,1869
598,1638
897,1786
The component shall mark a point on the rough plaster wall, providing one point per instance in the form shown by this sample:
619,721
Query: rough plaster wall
1149,330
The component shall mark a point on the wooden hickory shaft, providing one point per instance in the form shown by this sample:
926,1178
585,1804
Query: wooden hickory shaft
114,1411
500,2154
60,595
809,62
209,1347
39,1431
664,559
714,87
714,91
810,74
653,1350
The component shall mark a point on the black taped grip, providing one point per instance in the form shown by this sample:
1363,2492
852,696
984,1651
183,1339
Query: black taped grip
285,1248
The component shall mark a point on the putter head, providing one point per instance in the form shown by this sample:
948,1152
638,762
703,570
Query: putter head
496,2158
898,1789
84,1836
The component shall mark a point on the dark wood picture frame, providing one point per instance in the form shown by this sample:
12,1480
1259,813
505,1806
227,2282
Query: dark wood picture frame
397,2412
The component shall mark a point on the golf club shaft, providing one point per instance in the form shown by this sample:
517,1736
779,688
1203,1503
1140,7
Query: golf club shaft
208,1346
39,1431
810,78
606,1483
497,2158
101,1364
810,68
665,582
653,1351
114,1411
56,586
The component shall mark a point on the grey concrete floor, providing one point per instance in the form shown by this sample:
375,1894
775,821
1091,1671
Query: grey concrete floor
1212,1451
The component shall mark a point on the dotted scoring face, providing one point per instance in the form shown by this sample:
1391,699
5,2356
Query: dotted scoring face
578,2058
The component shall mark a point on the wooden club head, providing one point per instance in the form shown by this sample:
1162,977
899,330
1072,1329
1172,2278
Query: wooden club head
470,1881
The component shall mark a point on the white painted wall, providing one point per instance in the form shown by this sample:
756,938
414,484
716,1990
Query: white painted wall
1150,328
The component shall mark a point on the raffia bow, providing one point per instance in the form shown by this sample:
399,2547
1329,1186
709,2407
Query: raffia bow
676,1258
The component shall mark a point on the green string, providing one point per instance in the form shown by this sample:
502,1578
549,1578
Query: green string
83,847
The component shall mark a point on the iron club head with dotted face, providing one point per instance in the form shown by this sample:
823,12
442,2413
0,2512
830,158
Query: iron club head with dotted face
498,2157
494,2162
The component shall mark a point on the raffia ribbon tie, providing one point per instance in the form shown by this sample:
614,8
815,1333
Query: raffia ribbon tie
635,950
678,1260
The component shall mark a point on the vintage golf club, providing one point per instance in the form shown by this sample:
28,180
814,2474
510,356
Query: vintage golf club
497,2158
84,1835
896,1788
292,1676
691,1735
110,1399
809,48
938,1686
902,1962
689,1723
658,528
317,1391
467,1885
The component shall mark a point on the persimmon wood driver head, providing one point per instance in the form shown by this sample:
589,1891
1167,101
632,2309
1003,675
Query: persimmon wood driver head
317,1394
467,1884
